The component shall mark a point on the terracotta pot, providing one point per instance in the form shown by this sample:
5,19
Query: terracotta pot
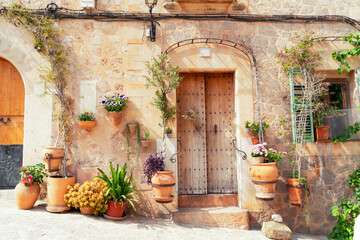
322,133
294,191
132,128
26,196
115,209
87,211
87,124
264,176
56,189
52,158
145,143
255,140
115,117
163,183
257,160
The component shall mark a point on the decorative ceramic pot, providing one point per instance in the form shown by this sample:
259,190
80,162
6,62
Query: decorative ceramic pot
26,196
294,191
322,134
115,209
264,176
52,158
87,124
145,143
56,189
257,160
115,117
87,211
255,140
163,183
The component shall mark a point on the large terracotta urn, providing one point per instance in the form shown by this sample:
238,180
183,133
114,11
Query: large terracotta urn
264,177
56,189
26,196
163,183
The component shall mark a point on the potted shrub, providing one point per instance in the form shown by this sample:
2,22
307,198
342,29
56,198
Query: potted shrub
162,181
120,189
114,105
27,190
145,141
168,132
320,115
90,197
87,120
255,129
247,126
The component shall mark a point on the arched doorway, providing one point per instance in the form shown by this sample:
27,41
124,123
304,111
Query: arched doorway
12,105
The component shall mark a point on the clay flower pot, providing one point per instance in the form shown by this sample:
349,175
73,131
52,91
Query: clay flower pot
52,158
87,211
26,196
87,124
264,177
322,134
56,189
145,143
163,183
115,209
255,140
294,189
115,117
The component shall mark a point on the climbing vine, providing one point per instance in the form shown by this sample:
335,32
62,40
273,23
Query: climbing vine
47,40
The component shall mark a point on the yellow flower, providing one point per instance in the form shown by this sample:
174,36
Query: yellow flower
85,112
249,125
256,124
267,122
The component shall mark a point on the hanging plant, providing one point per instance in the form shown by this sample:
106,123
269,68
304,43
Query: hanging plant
138,139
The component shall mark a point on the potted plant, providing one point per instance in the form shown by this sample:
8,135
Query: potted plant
255,129
298,190
145,141
114,105
168,132
322,113
27,190
87,120
120,188
247,126
90,197
162,181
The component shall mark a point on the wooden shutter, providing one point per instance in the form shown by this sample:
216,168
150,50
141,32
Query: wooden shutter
358,79
297,91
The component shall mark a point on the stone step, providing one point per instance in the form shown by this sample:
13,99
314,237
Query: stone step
8,194
208,200
225,217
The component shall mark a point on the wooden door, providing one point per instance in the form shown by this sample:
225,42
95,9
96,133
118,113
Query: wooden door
207,162
220,131
12,95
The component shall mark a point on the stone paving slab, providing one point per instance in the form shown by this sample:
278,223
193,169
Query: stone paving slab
36,223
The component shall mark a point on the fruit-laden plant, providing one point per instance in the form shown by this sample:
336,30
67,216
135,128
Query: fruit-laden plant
91,194
120,184
153,164
87,116
32,174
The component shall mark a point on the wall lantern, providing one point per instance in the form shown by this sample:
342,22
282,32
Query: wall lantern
87,3
151,4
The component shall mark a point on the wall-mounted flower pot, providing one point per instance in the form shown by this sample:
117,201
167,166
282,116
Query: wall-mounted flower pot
52,158
56,189
264,177
145,143
294,190
322,134
115,117
163,183
255,140
87,124
26,196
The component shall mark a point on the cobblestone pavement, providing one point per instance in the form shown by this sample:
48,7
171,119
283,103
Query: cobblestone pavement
36,223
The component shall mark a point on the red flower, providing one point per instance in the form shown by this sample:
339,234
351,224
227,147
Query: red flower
22,168
27,173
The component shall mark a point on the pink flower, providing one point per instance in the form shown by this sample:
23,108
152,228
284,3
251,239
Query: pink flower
285,153
27,173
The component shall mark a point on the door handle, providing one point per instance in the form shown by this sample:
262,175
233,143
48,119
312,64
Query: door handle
215,129
244,157
5,121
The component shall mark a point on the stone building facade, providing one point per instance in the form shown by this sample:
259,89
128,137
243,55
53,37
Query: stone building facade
110,56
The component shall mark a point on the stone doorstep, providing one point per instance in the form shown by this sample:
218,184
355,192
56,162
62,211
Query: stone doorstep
208,200
224,217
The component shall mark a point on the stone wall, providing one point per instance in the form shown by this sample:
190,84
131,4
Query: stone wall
108,57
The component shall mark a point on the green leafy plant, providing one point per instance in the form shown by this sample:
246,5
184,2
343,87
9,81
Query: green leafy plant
247,124
86,116
115,103
146,133
120,184
168,130
346,211
347,133
255,127
341,56
32,174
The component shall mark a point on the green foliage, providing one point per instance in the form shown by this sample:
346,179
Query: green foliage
120,185
341,56
146,133
347,133
255,127
346,211
87,116
165,78
322,113
32,174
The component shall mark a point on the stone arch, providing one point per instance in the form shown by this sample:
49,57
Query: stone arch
16,46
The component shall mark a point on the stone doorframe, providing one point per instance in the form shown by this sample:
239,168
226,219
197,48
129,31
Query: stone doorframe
227,59
16,46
